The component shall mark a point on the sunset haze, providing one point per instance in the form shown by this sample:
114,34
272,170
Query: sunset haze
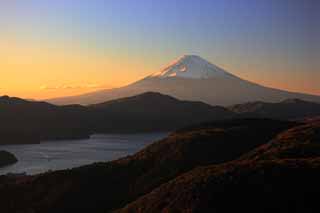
62,48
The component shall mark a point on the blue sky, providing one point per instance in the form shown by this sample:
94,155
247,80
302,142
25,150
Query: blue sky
272,41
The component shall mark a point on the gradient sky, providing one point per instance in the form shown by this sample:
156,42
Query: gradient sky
66,47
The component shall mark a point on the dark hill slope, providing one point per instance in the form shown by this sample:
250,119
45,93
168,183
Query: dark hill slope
29,122
288,109
289,185
300,142
153,112
282,176
103,187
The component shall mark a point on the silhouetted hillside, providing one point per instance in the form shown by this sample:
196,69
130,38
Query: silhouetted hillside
7,158
288,109
103,187
282,176
268,186
153,112
29,122
300,142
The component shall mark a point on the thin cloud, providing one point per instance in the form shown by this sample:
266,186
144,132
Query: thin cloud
72,87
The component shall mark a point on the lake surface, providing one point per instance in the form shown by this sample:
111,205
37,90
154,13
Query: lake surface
57,155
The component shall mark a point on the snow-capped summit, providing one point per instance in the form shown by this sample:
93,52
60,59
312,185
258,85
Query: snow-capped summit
192,78
191,66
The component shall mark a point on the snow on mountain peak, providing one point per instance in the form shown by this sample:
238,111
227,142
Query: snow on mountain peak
191,66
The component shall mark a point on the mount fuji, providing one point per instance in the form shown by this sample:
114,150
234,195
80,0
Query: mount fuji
191,77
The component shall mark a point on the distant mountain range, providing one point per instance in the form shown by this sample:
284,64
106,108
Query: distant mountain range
25,121
243,165
192,78
31,122
152,112
287,109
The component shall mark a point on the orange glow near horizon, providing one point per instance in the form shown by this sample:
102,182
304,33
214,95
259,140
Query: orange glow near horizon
60,48
48,71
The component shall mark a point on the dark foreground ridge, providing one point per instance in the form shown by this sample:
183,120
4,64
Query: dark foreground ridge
105,187
281,176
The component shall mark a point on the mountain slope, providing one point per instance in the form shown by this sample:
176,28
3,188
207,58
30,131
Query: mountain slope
287,109
103,187
282,176
288,185
299,142
192,78
192,66
29,122
153,112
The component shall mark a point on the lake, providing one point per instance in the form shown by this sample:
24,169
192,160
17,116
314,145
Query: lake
57,155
